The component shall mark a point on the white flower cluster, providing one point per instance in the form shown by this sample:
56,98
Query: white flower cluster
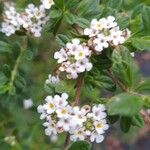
52,79
81,123
105,32
31,20
11,20
74,58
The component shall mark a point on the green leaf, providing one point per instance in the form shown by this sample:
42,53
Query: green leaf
72,3
4,89
5,47
146,18
124,69
88,9
56,13
113,119
138,121
62,40
69,18
74,19
59,3
80,145
141,43
125,124
7,70
144,86
125,105
53,25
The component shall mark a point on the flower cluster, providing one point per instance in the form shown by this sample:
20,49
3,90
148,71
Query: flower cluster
81,123
31,20
74,58
11,20
52,79
104,33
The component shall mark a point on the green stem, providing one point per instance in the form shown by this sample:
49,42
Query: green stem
14,71
16,66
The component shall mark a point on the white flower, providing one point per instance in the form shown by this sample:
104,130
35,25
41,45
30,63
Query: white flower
72,71
61,101
47,3
94,29
96,137
50,105
64,123
82,52
72,47
63,112
132,54
100,42
78,116
108,22
98,112
61,56
78,134
101,126
52,79
27,103
83,65
51,130
116,36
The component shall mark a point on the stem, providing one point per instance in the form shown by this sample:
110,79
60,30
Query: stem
120,84
14,71
76,102
66,141
78,89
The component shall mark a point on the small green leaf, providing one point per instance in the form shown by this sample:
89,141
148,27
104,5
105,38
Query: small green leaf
80,145
125,105
144,86
125,124
146,18
59,3
56,13
5,47
138,121
7,70
141,43
113,119
88,9
62,39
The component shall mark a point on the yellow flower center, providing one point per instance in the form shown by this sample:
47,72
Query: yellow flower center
63,111
51,106
99,125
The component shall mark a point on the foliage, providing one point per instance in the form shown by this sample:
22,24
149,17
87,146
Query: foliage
26,62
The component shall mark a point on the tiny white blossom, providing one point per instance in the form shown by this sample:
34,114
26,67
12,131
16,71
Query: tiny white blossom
100,42
61,56
116,36
79,134
47,3
27,103
98,138
52,79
